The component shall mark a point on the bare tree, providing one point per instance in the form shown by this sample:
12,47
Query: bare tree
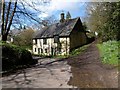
5,25
13,14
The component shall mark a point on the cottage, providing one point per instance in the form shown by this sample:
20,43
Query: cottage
60,38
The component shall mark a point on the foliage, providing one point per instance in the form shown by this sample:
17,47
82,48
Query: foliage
14,57
104,18
109,52
24,39
78,50
68,16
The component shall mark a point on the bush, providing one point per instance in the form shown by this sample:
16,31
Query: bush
15,57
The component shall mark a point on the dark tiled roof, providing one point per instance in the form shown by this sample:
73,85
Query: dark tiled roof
61,29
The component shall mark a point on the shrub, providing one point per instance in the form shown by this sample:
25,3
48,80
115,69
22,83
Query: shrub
15,57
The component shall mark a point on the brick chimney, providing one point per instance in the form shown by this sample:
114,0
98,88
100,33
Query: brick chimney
62,18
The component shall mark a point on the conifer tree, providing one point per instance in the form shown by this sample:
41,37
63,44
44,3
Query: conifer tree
68,16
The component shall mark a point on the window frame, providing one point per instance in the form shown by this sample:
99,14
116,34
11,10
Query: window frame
35,49
56,39
45,41
35,41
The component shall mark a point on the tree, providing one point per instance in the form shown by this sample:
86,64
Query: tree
14,12
50,20
6,23
24,38
84,26
68,16
104,18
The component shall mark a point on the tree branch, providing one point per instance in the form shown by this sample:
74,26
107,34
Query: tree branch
2,16
11,18
7,15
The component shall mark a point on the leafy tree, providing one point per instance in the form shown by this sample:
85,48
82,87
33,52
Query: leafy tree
104,17
24,38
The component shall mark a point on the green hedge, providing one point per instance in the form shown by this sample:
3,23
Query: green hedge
14,57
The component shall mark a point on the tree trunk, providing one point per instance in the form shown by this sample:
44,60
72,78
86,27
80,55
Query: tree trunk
2,16
5,30
4,37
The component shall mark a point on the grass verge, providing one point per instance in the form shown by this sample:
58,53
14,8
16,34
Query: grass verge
74,52
109,52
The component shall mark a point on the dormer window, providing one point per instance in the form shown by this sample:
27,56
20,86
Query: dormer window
56,39
44,41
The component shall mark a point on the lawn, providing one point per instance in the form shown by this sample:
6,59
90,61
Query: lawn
109,52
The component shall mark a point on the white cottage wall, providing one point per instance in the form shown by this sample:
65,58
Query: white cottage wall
47,48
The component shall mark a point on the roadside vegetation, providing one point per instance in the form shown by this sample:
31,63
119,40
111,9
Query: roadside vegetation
109,52
78,50
74,52
15,57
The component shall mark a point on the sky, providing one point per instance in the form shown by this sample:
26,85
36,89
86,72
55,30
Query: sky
76,8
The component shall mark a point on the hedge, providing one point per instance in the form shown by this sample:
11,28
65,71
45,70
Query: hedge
14,57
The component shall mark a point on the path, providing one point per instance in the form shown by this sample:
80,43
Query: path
48,73
88,71
82,71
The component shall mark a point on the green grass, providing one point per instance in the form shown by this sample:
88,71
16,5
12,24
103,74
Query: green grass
78,50
109,52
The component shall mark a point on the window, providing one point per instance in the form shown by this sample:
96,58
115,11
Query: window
56,39
41,50
35,41
45,50
35,49
38,50
59,47
44,41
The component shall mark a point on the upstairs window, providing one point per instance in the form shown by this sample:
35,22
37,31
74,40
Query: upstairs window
56,39
44,41
35,41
